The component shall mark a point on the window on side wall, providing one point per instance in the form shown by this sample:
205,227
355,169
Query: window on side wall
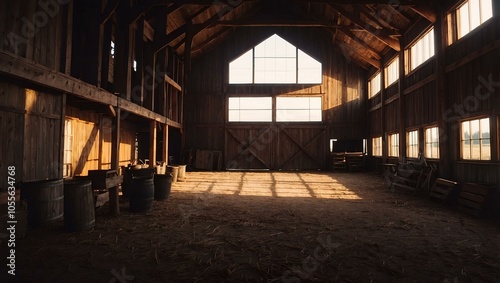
393,143
392,72
377,146
475,139
412,144
431,148
374,85
420,51
468,16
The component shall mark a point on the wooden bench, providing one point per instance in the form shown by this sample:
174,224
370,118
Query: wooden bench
348,161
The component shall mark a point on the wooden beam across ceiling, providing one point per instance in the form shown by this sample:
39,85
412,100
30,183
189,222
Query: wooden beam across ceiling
425,11
276,23
381,34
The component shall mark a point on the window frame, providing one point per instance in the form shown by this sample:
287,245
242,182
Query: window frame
239,109
387,72
426,153
453,21
377,146
410,145
297,70
409,68
480,139
390,146
309,109
370,91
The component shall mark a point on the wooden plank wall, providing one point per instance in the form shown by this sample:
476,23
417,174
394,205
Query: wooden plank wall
342,91
30,122
92,141
35,30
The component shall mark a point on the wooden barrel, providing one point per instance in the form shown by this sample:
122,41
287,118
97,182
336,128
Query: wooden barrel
128,174
141,194
175,172
45,201
163,184
182,173
79,211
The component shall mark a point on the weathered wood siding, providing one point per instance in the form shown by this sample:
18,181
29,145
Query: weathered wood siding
342,91
30,121
91,148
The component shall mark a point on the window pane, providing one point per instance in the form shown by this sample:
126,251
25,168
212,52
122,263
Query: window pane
240,70
486,10
298,109
466,150
485,150
463,20
485,128
309,69
465,131
255,103
474,14
234,103
256,115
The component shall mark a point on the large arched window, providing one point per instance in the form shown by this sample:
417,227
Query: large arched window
275,61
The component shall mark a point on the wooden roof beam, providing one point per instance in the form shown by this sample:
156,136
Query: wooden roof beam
381,34
354,38
275,23
143,6
425,11
209,40
378,19
109,10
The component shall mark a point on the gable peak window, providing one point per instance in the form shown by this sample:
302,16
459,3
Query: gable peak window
275,61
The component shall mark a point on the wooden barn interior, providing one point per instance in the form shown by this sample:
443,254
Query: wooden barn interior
311,140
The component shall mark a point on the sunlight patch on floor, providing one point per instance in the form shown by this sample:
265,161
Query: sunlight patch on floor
265,184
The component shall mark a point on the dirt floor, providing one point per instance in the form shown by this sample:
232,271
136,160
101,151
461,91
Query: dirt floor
270,227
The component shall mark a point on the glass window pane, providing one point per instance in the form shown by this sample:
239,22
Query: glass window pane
465,131
465,150
463,20
474,129
485,150
474,14
485,128
234,116
234,103
315,116
475,150
486,10
255,115
240,69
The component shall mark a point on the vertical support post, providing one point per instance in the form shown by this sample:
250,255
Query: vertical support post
165,144
106,30
114,205
138,90
61,138
152,144
385,143
402,104
69,37
124,53
444,139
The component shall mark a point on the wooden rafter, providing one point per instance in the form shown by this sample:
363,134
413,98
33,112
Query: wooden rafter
109,10
381,34
179,31
275,23
348,33
425,11
380,21
213,37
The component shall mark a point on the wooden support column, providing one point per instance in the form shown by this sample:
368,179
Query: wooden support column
114,205
123,53
402,104
138,87
186,70
106,31
165,144
152,144
61,136
385,143
158,87
445,140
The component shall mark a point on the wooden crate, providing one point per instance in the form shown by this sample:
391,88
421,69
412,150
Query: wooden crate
444,190
338,161
473,198
355,161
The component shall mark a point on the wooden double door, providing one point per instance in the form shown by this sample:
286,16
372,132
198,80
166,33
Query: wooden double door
276,147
